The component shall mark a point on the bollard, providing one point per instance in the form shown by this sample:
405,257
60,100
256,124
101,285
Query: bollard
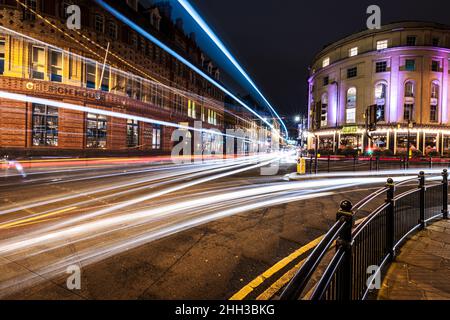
445,193
390,227
345,242
422,199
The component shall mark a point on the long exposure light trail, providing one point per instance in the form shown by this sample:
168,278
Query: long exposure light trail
150,37
201,22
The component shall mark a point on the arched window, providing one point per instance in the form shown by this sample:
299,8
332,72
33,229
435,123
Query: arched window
409,89
380,100
408,108
324,110
351,105
434,103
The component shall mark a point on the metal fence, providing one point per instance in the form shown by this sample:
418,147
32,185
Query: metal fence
373,243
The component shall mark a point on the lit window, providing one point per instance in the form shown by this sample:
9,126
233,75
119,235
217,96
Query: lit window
156,138
380,100
96,131
45,126
382,44
38,63
409,89
191,109
91,74
325,62
351,105
2,56
324,110
353,52
105,79
434,105
56,62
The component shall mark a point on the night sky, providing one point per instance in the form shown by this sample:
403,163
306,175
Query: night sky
275,41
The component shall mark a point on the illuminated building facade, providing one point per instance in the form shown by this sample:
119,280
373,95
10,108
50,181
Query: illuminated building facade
107,66
402,68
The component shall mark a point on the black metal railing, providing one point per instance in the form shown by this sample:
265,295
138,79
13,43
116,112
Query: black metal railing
373,243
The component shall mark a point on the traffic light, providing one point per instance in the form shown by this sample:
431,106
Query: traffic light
371,117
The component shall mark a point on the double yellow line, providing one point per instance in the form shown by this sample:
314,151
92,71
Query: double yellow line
282,281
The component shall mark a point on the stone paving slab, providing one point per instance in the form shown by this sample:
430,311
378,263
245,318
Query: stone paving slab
421,270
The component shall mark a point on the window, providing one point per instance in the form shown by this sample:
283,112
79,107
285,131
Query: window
157,96
352,72
156,138
91,74
382,44
353,52
2,56
409,89
99,23
381,66
351,105
436,42
408,112
96,131
325,62
212,117
38,63
326,81
410,65
132,133
29,10
433,113
56,62
380,100
411,40
435,66
112,30
324,110
191,109
45,126
434,103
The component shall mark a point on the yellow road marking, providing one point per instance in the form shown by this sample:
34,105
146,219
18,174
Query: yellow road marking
23,221
245,291
30,223
280,283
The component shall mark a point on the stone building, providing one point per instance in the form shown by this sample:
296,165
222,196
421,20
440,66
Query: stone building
403,69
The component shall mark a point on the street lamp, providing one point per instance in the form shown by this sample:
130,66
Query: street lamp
297,119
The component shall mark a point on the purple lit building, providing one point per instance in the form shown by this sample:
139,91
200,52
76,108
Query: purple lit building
402,68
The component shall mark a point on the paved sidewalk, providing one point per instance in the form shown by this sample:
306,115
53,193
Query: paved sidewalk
421,271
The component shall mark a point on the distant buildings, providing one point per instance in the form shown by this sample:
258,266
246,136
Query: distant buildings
403,69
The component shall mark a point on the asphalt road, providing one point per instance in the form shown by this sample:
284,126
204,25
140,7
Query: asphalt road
154,230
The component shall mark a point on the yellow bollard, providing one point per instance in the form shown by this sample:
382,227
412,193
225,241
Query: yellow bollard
301,166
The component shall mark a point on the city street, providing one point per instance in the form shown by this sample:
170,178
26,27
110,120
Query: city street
142,229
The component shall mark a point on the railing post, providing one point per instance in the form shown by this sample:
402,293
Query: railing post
390,224
422,199
329,162
445,193
378,164
345,242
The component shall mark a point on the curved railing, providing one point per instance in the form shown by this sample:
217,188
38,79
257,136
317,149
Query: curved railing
363,251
